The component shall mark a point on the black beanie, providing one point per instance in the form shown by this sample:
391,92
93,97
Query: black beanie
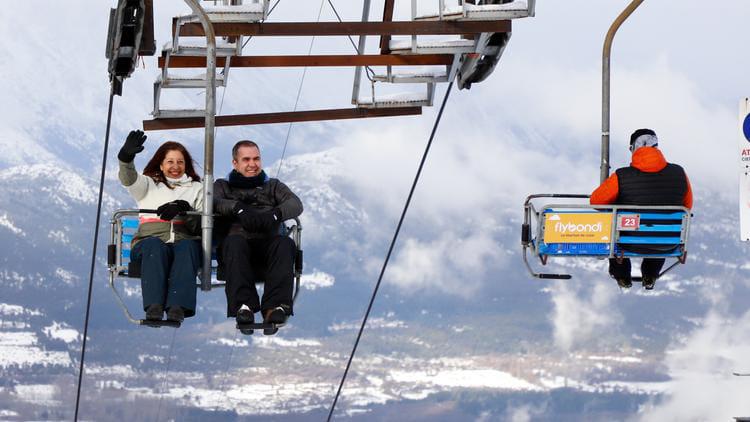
638,133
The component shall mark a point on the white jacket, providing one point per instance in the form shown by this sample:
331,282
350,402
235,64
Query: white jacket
150,195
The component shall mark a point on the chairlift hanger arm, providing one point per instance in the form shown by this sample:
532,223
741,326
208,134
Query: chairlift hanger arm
337,60
301,29
282,117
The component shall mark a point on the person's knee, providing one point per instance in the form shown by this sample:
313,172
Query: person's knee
234,245
151,246
285,245
187,247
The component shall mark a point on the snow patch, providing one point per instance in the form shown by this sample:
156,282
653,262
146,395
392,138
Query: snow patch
66,276
7,223
59,236
62,331
374,323
230,342
6,309
43,394
19,349
273,342
465,378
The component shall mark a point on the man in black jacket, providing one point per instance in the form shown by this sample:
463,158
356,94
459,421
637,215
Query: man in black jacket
252,206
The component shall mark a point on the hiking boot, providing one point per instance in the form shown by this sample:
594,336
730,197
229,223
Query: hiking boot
245,316
648,283
155,312
275,315
176,314
624,283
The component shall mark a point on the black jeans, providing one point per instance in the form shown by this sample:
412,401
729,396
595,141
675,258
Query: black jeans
650,267
247,261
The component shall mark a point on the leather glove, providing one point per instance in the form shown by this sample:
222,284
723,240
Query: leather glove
170,210
262,221
133,145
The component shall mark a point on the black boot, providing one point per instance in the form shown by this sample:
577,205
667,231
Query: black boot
155,312
245,316
176,314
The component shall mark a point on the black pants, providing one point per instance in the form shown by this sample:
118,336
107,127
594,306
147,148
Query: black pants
247,261
168,272
650,267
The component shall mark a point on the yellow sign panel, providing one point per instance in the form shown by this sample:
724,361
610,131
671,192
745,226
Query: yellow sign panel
577,227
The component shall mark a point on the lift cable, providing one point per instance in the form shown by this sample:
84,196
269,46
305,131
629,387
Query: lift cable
222,389
93,253
369,72
165,378
267,16
390,249
299,93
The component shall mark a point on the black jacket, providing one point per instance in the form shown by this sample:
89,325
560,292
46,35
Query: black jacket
273,194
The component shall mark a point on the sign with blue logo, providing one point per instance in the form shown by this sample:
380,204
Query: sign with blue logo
744,161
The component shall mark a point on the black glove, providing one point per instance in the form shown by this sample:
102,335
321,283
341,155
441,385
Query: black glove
262,221
133,145
170,210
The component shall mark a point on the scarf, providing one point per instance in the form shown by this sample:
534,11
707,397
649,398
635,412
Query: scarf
183,180
236,180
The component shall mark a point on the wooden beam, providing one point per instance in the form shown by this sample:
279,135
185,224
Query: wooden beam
315,60
283,117
387,17
297,29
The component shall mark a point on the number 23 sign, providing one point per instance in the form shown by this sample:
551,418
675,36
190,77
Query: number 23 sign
628,222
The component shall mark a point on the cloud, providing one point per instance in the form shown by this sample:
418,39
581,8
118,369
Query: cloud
701,367
450,264
577,319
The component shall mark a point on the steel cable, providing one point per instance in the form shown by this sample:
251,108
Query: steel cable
390,249
93,253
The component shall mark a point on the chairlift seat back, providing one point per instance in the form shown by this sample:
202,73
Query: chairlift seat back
589,231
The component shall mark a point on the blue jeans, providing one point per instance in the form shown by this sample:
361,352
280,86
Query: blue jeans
168,272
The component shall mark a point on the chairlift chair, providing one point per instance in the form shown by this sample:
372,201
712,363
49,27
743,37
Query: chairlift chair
568,230
123,226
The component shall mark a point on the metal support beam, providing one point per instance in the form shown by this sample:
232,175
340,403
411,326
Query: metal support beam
315,60
360,50
207,222
282,117
607,50
385,40
301,29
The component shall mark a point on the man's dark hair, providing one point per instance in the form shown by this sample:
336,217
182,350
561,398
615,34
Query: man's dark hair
243,143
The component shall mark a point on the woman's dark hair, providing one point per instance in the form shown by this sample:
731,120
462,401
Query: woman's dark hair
153,169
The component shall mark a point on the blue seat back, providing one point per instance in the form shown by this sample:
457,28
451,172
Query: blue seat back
655,234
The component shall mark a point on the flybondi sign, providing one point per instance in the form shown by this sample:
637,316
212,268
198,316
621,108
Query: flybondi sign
577,227
580,228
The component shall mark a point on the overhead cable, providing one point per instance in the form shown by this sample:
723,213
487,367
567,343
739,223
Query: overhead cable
390,250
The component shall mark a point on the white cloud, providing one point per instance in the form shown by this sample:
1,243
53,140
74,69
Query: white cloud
577,319
317,280
701,367
452,264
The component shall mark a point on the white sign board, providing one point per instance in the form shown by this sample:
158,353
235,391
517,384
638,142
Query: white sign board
744,156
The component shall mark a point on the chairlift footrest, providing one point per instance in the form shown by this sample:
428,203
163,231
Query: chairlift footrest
160,323
259,326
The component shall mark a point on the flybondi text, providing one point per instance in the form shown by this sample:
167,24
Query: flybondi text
578,228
